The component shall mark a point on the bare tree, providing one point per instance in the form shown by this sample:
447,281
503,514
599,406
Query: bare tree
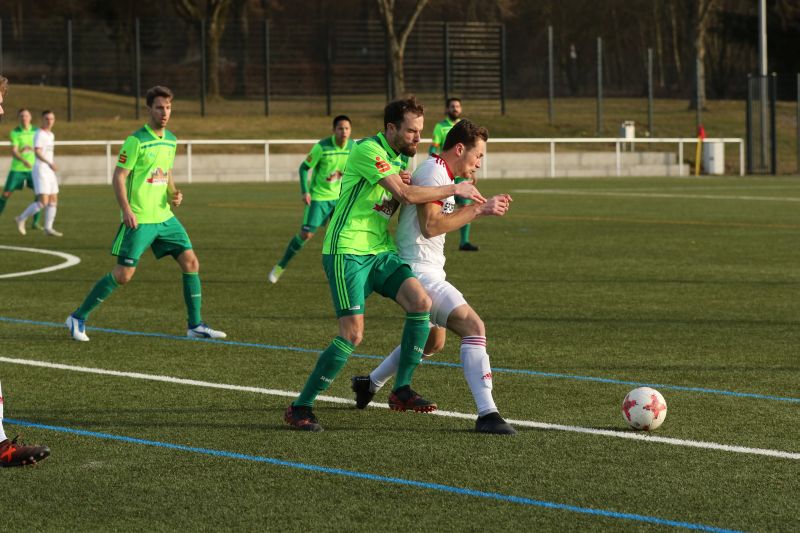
702,23
397,40
213,13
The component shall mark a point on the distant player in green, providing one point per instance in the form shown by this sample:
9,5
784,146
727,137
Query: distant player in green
326,159
145,189
360,257
440,131
22,159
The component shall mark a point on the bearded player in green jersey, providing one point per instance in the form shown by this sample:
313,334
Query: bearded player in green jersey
145,189
22,159
326,159
360,257
440,131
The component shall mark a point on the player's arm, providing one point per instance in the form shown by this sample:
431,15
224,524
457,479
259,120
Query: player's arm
120,191
15,153
40,156
433,222
414,194
308,163
176,196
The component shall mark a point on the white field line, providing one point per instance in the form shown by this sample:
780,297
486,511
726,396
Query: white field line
70,260
451,414
572,192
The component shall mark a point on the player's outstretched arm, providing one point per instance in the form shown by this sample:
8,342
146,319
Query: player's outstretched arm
414,194
432,222
120,175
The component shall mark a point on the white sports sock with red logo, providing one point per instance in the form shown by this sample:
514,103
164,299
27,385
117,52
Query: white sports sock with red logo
478,372
2,433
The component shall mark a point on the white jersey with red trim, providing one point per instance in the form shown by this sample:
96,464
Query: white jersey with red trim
424,255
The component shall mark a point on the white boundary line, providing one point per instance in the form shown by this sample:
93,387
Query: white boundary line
572,192
70,260
451,414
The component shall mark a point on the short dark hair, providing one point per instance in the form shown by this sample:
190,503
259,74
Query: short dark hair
395,112
451,100
47,112
340,118
158,90
465,132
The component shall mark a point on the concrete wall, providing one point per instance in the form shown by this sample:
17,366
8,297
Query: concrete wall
75,170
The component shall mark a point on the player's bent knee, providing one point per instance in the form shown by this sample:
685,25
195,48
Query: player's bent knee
122,275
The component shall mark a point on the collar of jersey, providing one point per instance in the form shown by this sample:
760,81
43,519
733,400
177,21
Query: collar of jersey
386,146
150,130
446,166
336,145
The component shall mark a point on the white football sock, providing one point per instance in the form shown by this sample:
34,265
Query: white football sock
2,433
478,373
30,211
49,216
385,370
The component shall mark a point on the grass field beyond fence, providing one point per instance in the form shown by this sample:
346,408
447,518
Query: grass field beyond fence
587,288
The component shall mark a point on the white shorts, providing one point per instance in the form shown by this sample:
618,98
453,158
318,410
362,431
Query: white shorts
44,181
444,296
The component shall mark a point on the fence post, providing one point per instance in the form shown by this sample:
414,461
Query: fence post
599,86
550,81
202,68
618,159
503,69
680,158
552,159
773,148
266,68
137,59
797,123
749,124
446,61
108,163
1,46
328,68
697,104
69,70
266,160
650,92
189,161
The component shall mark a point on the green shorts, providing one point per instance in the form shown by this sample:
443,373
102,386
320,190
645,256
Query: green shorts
164,238
17,179
317,214
353,278
459,200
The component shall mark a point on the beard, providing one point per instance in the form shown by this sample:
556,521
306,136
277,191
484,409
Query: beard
409,150
453,116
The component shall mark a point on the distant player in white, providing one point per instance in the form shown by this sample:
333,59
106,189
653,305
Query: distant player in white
45,182
420,240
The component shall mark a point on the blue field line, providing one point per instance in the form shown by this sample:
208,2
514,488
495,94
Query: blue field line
501,370
384,479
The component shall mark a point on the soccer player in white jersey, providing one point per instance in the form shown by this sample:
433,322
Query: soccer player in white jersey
45,182
420,240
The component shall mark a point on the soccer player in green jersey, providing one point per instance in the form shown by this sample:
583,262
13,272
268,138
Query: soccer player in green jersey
360,257
440,131
326,159
145,189
22,159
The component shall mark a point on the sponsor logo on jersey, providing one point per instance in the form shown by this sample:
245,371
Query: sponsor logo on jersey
335,176
309,158
123,157
448,207
382,165
157,177
387,207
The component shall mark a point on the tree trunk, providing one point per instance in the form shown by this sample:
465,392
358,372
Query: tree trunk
704,17
659,44
676,51
214,13
396,42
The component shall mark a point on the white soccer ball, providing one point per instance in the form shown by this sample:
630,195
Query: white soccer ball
644,408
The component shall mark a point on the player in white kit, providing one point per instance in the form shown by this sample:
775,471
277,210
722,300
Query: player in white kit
45,182
420,239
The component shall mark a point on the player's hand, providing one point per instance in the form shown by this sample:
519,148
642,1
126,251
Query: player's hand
405,175
177,198
27,165
129,219
466,189
53,166
495,206
307,199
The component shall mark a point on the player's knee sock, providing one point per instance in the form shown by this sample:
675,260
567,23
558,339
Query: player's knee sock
478,372
101,290
385,370
3,201
329,364
49,216
37,216
193,296
465,233
34,208
415,334
295,245
2,433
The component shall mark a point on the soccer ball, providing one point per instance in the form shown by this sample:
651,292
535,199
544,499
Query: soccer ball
644,408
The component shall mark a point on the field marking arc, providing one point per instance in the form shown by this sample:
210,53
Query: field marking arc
434,363
70,260
780,454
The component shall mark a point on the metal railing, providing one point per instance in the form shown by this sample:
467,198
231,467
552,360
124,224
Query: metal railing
619,144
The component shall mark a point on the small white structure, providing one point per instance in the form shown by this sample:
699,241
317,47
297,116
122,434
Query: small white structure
714,158
627,132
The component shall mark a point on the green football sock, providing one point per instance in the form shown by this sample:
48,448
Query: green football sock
465,233
415,334
101,290
295,245
3,201
193,296
329,364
